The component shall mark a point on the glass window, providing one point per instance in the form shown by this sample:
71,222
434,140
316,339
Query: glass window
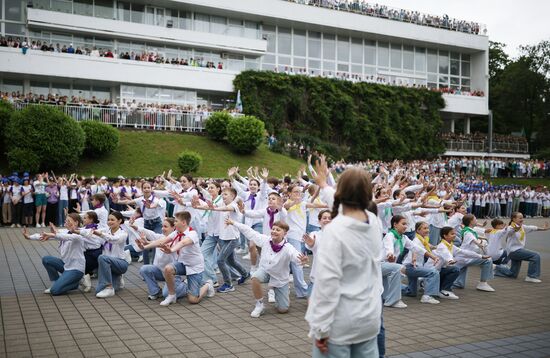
299,46
138,13
383,54
356,50
444,80
329,66
444,62
284,60
86,8
40,87
251,29
235,27
271,40
314,64
81,91
299,62
314,44
396,56
329,47
15,29
343,49
62,6
269,59
12,85
465,57
218,24
202,22
455,67
61,89
420,59
357,69
370,52
103,8
370,71
39,4
455,56
284,41
343,67
184,20
465,69
455,82
408,58
432,61
103,93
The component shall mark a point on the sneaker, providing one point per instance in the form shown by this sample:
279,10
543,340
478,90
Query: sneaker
271,296
532,279
127,256
122,283
428,299
217,270
107,292
47,290
226,288
153,297
43,224
258,310
448,295
140,258
87,283
211,291
246,257
291,278
240,251
38,225
398,304
12,225
18,225
169,300
216,284
253,269
484,286
243,279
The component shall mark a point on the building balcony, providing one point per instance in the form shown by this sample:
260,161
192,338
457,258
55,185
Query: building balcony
469,105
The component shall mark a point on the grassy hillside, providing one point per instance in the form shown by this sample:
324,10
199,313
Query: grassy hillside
150,153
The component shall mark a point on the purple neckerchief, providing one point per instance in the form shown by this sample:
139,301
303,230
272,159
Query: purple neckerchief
252,199
276,248
108,245
150,200
91,226
98,206
271,214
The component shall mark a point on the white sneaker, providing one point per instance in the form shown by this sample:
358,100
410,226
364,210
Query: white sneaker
258,310
87,283
532,279
216,284
246,257
271,296
140,259
448,295
291,278
253,268
152,297
122,283
211,291
107,292
127,256
169,300
12,225
428,299
38,225
398,304
484,286
47,291
240,251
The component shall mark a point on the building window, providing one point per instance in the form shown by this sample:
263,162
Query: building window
383,55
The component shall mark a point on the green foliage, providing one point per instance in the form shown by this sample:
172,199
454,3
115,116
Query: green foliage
216,125
341,118
101,138
48,137
245,134
6,110
189,161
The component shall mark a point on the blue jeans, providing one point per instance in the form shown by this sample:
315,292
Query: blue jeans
520,255
300,285
226,259
243,241
61,206
156,226
391,279
381,338
434,235
431,278
109,271
486,272
367,349
68,280
312,228
151,274
447,276
208,249
133,253
410,234
191,287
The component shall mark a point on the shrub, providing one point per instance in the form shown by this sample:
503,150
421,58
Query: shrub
6,110
216,125
48,137
101,138
245,134
189,161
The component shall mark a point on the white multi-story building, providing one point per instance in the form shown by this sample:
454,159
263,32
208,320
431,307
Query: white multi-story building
238,34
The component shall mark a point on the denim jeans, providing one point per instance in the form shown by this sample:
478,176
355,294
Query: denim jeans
367,349
300,285
381,338
151,274
226,259
156,226
133,253
434,235
520,255
243,241
61,206
69,280
447,276
431,278
391,279
109,271
208,249
486,272
91,260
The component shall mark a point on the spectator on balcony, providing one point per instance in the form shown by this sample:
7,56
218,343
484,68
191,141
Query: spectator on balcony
70,49
95,52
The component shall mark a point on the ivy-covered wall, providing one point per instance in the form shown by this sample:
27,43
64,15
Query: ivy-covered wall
355,120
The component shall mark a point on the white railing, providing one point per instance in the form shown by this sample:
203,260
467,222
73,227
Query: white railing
483,146
133,118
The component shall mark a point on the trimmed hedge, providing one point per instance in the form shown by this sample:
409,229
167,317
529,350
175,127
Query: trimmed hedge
48,137
363,120
101,138
189,161
216,125
245,134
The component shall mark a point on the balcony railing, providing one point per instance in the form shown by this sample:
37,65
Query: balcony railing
133,118
483,146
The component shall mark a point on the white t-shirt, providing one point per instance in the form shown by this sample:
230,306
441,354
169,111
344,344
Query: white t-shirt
230,232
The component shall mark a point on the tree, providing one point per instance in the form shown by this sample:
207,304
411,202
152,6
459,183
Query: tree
498,60
538,56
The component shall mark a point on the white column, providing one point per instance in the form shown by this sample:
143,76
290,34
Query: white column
452,125
467,125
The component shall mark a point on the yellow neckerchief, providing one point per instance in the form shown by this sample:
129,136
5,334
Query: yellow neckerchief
521,230
425,241
433,197
298,208
449,245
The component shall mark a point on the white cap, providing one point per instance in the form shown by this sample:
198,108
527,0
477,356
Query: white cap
103,178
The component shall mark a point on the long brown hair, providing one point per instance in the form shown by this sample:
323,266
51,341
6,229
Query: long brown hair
354,190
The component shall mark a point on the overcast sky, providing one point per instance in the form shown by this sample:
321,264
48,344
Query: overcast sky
511,22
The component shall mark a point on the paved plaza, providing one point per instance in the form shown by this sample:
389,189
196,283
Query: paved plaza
512,322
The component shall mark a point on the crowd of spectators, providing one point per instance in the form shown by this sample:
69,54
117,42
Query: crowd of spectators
477,136
382,11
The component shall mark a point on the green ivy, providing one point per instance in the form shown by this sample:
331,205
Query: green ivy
357,120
